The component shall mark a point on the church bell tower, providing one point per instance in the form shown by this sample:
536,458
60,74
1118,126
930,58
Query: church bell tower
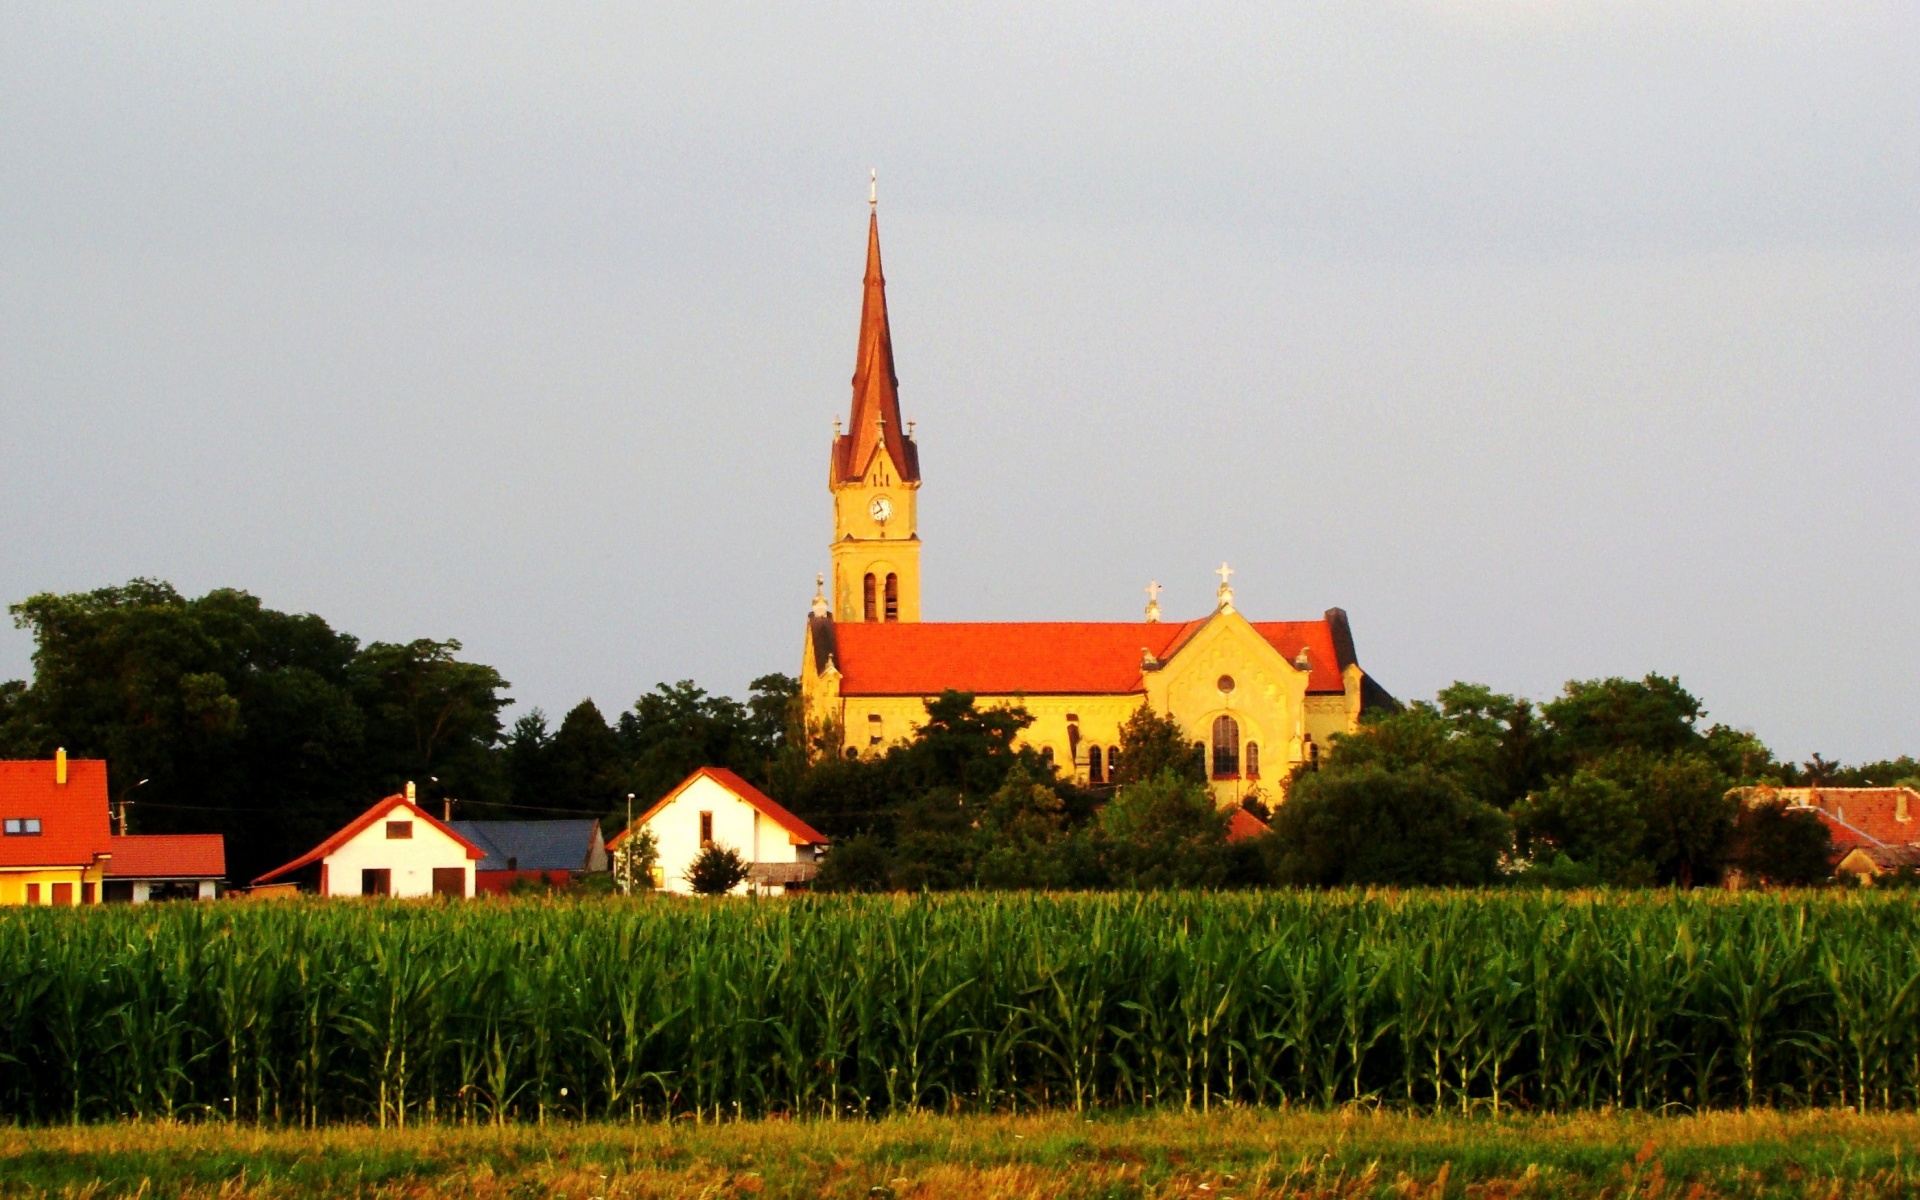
874,475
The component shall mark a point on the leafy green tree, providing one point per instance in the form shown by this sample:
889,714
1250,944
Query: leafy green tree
716,871
862,863
1783,846
1151,744
634,859
429,713
1686,815
1164,832
677,728
1492,745
963,746
270,728
1371,825
1590,819
1593,717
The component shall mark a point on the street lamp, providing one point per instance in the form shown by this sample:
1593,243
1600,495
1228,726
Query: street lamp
626,849
123,802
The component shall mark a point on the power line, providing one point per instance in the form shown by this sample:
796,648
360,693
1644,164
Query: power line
573,812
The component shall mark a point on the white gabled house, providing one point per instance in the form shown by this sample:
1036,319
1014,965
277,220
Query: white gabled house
715,806
393,849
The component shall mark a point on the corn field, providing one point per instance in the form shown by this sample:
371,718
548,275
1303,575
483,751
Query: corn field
398,1013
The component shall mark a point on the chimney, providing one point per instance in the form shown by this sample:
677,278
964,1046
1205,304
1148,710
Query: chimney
409,791
1900,810
60,766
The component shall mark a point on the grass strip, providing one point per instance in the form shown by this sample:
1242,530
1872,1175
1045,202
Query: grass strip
1241,1153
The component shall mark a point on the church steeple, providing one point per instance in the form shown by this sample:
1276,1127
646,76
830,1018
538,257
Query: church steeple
875,474
876,389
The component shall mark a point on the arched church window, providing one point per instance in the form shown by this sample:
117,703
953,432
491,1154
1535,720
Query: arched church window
1046,755
1253,760
872,610
1226,747
1094,772
893,596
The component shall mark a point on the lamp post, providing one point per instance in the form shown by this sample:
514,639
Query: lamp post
123,802
626,849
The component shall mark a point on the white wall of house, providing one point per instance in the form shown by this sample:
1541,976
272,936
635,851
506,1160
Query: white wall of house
143,889
411,860
737,824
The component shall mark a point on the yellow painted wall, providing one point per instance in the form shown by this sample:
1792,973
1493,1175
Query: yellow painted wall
1268,699
13,884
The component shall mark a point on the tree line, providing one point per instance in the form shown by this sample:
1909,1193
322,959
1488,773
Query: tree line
216,713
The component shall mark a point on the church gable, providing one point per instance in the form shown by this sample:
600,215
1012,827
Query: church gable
1228,663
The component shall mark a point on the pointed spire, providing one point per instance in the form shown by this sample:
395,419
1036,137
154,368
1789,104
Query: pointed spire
876,389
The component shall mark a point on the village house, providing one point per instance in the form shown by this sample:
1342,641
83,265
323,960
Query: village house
57,846
393,849
1874,829
714,806
552,852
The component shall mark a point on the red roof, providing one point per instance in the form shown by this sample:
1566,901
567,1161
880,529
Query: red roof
168,856
72,816
925,658
1243,825
876,391
798,832
360,823
1855,816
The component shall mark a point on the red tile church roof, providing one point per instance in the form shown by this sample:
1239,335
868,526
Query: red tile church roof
1039,657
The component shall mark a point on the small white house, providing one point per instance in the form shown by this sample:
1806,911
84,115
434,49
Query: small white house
714,806
393,849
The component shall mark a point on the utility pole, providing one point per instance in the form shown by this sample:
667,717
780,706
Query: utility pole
122,806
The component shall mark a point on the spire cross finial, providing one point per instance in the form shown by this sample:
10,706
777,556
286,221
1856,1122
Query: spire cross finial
1153,590
873,188
1153,602
1225,593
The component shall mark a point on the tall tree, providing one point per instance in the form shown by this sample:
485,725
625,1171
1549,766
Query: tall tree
271,728
1151,743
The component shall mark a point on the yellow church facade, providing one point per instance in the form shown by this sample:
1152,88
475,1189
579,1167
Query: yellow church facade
1262,697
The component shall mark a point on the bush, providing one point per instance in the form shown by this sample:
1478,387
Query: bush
1370,825
717,871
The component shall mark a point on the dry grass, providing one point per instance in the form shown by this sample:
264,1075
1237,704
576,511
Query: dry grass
1227,1154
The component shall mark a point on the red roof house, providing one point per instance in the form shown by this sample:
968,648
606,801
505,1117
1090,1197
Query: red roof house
56,845
714,806
395,848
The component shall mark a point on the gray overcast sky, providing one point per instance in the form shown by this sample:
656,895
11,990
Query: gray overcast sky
1549,339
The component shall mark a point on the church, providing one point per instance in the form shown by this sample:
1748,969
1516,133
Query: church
1263,697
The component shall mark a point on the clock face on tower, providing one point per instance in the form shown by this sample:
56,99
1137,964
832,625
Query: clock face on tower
881,509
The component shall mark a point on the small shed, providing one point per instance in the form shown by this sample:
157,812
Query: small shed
714,806
393,849
555,852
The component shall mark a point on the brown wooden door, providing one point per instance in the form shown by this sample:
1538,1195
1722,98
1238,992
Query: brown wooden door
63,895
86,893
450,881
